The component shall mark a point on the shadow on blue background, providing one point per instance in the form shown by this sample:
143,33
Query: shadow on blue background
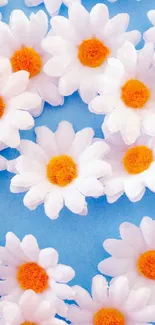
77,239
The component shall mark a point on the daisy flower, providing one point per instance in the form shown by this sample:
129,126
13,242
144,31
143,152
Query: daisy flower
20,42
29,311
3,3
133,168
149,35
113,304
24,266
16,104
126,93
52,6
80,50
133,254
61,169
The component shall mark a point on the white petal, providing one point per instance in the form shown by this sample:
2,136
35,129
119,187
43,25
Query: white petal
64,136
83,298
119,290
113,186
151,16
46,139
70,82
137,299
95,168
16,84
19,25
99,16
74,200
147,314
49,92
133,188
101,105
13,246
52,6
3,163
37,194
63,291
126,51
12,314
10,136
90,187
148,124
27,179
116,25
26,101
31,149
76,315
132,235
30,247
38,27
96,150
118,248
149,35
82,140
78,12
53,204
28,303
99,289
115,266
62,27
43,312
61,273
147,227
48,257
22,120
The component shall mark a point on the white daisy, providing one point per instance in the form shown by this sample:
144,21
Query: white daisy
133,168
126,93
3,3
52,6
29,311
24,266
80,50
61,169
149,35
16,104
133,254
20,41
115,304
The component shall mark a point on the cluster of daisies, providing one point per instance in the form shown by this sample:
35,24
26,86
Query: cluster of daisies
34,287
98,59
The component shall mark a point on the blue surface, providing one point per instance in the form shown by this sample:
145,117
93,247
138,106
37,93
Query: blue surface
77,239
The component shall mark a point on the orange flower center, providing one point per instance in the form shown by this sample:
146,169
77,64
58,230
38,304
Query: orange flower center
92,53
32,276
109,316
27,59
2,107
146,264
137,159
28,323
61,170
135,94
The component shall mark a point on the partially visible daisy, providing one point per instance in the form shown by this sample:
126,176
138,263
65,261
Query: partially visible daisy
149,35
24,266
133,255
61,169
113,304
80,50
20,42
3,3
133,168
126,93
52,6
29,311
16,104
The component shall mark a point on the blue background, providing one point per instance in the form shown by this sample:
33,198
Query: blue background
78,239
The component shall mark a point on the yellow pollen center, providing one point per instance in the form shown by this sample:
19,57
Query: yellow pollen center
135,94
61,170
137,159
109,316
146,264
92,53
32,276
27,59
2,107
